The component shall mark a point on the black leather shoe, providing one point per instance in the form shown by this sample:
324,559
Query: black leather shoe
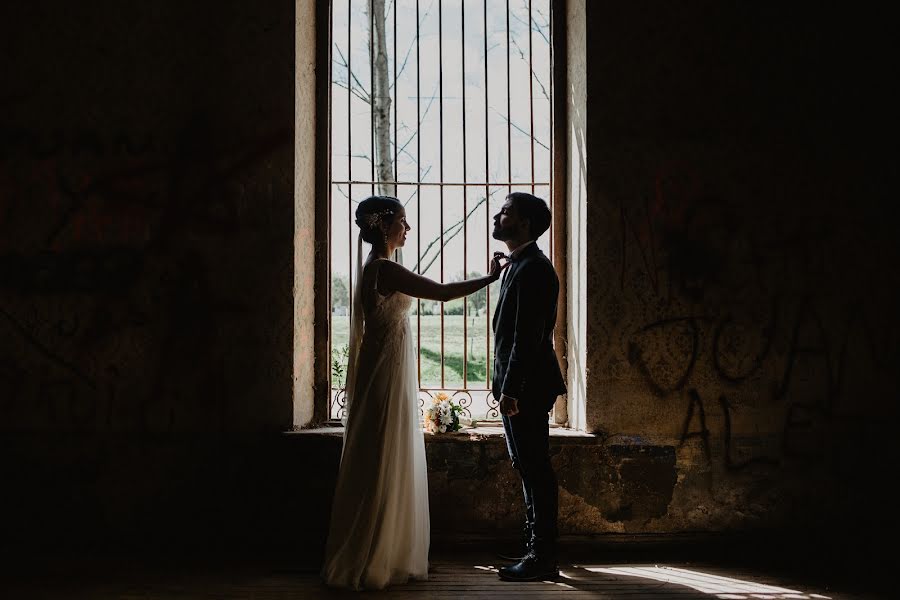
531,568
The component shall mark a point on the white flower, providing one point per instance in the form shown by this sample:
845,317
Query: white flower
443,429
446,418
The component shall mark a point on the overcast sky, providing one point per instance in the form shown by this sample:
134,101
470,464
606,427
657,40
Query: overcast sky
480,140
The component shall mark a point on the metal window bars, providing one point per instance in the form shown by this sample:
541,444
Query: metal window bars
500,22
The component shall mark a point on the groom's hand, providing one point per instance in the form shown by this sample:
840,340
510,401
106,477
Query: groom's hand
508,406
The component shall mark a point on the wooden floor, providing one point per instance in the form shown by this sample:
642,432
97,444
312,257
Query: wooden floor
453,575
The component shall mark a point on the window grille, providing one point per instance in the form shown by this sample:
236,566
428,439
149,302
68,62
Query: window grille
445,104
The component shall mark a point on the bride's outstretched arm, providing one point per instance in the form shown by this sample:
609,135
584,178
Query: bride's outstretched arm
395,277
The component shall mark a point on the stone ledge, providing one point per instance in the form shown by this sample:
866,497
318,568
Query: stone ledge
482,433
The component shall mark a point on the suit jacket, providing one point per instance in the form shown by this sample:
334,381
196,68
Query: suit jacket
525,365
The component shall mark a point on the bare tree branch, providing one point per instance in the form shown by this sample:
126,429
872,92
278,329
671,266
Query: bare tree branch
406,152
519,49
520,130
346,65
422,120
541,83
533,72
545,26
412,43
380,100
534,26
458,226
402,149
354,91
413,195
446,240
343,193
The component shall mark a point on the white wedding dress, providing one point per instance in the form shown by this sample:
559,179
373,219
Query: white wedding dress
380,531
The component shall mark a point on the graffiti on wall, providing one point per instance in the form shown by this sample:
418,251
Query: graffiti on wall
750,318
108,256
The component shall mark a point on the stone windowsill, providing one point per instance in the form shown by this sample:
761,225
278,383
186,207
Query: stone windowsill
481,433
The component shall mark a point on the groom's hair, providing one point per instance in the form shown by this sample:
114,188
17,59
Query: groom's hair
535,210
382,206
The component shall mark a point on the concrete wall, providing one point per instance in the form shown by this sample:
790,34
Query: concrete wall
304,218
732,282
739,171
146,211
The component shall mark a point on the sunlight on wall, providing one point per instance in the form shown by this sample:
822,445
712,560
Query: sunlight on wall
304,212
577,215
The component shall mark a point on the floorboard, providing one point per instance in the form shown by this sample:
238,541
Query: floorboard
454,575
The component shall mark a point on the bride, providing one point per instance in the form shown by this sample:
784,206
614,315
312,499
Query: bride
379,532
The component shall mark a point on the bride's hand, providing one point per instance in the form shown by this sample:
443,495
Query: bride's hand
496,267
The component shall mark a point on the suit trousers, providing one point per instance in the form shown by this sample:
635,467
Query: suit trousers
528,442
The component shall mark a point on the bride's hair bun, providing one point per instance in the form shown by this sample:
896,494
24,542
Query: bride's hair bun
372,212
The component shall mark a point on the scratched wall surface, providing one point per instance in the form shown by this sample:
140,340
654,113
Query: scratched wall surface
741,308
146,210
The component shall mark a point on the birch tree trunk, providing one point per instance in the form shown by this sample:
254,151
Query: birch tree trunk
381,99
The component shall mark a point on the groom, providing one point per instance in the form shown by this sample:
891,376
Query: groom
527,378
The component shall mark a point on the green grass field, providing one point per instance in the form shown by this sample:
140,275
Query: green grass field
455,349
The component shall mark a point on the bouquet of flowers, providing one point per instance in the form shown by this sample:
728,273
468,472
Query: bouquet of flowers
443,414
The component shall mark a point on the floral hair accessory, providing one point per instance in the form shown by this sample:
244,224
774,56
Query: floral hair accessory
373,220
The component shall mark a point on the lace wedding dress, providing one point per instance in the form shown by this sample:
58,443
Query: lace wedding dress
379,532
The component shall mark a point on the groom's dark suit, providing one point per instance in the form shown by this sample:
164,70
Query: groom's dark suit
526,368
